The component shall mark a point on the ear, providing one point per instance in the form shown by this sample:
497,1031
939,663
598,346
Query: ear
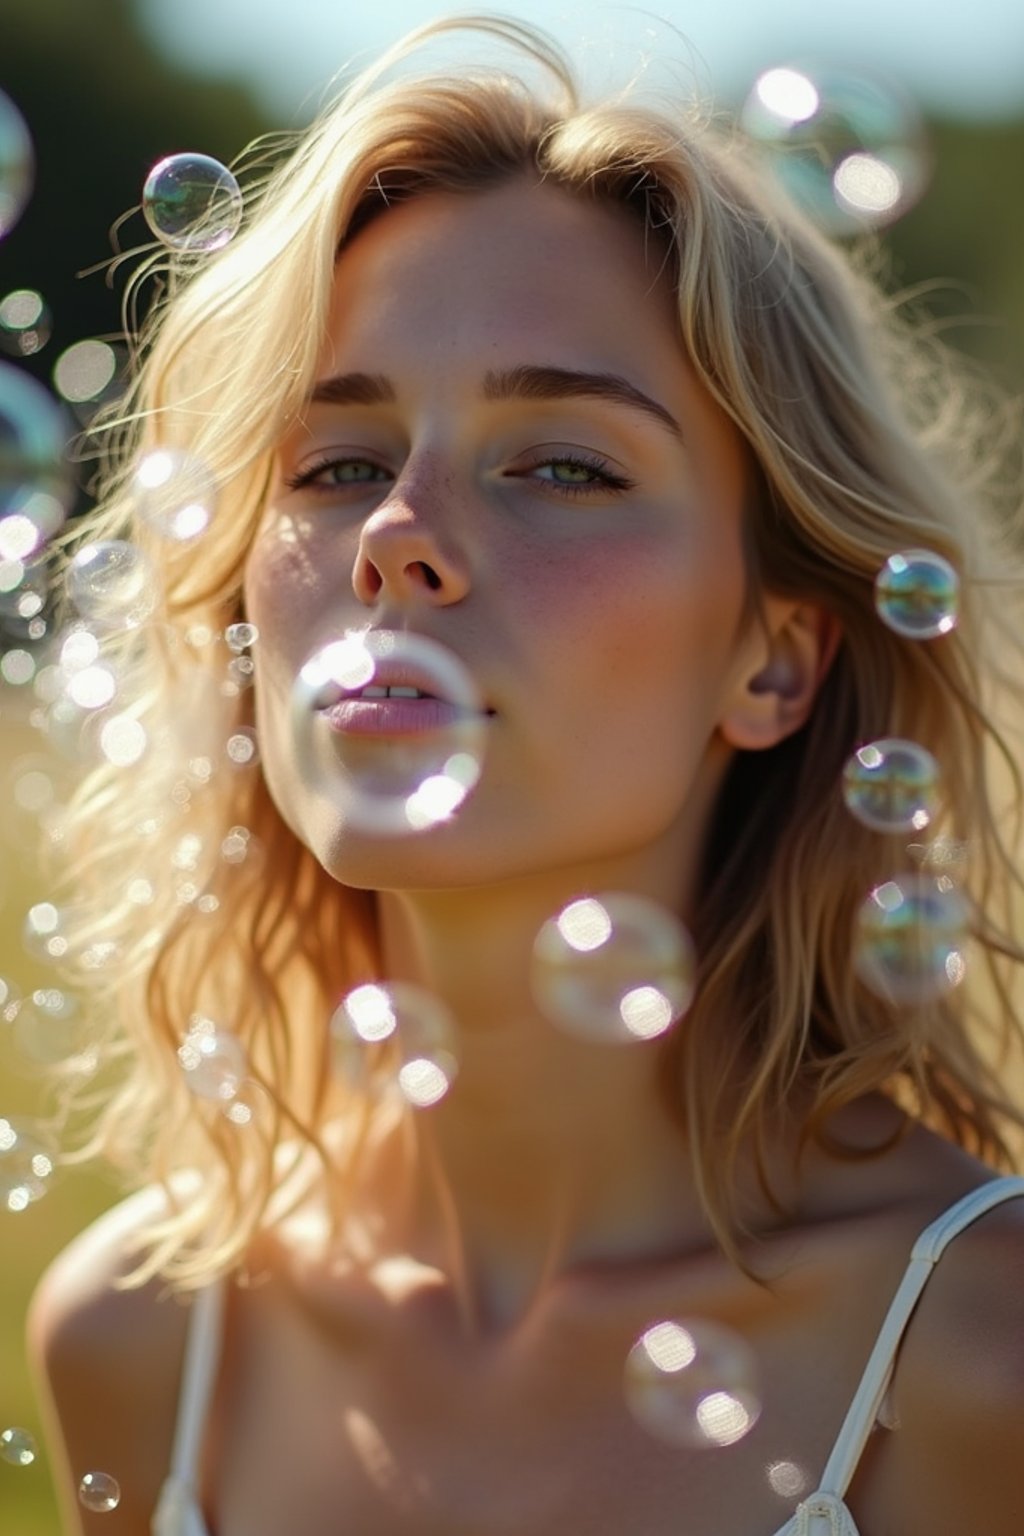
785,662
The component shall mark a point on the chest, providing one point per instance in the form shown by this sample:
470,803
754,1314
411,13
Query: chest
399,1434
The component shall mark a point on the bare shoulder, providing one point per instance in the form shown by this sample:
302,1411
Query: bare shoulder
957,1459
107,1363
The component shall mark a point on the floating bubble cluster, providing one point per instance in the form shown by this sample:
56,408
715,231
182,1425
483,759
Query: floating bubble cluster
850,148
192,203
99,1493
25,323
28,1162
17,1447
613,968
17,165
693,1383
389,726
175,494
911,937
917,594
891,785
423,1061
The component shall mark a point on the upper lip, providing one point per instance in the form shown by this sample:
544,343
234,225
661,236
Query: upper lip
396,674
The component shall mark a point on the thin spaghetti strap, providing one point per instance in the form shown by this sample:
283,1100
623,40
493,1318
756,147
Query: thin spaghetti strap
199,1371
927,1251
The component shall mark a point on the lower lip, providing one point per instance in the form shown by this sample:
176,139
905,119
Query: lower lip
391,716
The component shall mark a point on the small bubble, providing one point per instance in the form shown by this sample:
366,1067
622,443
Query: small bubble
175,494
192,203
123,741
92,687
241,636
17,165
242,748
693,1383
112,583
213,1060
422,1062
140,892
99,1492
917,594
17,667
910,937
613,969
17,1447
235,847
787,1479
25,323
28,1161
891,785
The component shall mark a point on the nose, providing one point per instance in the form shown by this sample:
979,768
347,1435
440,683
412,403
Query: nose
404,555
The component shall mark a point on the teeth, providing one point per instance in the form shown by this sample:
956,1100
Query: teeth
375,691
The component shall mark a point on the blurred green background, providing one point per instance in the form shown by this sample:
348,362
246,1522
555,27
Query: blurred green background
103,105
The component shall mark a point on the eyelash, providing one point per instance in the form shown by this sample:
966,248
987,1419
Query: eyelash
608,481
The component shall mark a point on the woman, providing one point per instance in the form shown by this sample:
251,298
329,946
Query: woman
562,390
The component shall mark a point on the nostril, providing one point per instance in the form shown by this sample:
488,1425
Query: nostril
428,574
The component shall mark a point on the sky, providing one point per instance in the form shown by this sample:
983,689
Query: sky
964,59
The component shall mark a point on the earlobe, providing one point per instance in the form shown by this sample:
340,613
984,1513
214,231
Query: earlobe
776,693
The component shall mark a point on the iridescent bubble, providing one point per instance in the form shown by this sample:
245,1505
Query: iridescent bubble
175,494
33,438
849,147
390,728
112,584
212,1059
420,1034
240,637
17,667
891,785
613,968
693,1383
99,1492
17,1447
25,323
192,203
910,939
17,165
28,1162
917,593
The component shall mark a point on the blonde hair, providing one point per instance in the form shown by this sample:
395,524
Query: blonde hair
863,444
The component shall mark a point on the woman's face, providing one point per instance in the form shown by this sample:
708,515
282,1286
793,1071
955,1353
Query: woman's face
577,545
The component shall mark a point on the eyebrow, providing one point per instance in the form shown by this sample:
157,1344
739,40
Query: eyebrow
526,382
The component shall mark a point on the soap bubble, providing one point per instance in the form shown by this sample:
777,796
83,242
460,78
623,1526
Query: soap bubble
910,939
17,1447
112,584
613,968
33,438
850,148
917,593
25,323
123,740
693,1383
192,203
891,785
90,374
175,494
242,748
212,1059
99,1492
17,165
423,1035
28,1161
391,761
45,933
240,637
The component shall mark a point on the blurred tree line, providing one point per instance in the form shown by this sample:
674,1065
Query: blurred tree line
103,106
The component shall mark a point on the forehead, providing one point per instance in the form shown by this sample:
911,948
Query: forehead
523,261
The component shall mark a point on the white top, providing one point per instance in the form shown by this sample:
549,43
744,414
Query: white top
822,1513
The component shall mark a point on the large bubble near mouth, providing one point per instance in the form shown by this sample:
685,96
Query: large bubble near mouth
389,727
